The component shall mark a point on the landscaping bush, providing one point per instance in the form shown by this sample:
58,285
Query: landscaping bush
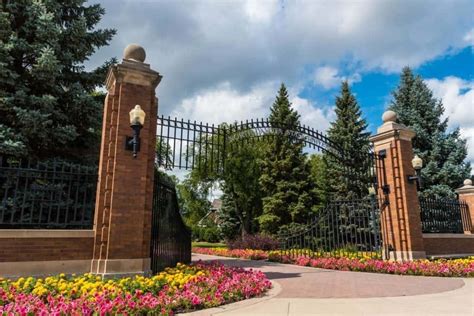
180,289
208,234
256,242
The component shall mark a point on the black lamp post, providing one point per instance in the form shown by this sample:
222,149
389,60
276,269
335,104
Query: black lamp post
417,164
137,119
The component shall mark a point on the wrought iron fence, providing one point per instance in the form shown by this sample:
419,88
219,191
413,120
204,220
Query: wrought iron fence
444,216
46,195
342,228
170,237
188,145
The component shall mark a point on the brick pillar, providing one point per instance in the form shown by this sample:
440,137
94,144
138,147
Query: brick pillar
125,187
400,217
466,194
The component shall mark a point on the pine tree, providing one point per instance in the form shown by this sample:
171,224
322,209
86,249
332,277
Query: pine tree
319,177
285,179
347,168
48,104
444,153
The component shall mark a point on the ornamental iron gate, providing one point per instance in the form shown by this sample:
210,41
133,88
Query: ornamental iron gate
351,226
170,238
342,228
183,144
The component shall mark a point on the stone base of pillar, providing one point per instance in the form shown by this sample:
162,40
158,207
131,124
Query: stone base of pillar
121,267
405,255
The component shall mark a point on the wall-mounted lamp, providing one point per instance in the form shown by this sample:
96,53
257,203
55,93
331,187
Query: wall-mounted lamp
417,164
137,119
372,191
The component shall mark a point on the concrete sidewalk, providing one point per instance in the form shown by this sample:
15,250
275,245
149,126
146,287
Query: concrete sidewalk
310,291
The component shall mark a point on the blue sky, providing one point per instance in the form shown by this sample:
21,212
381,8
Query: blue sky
224,60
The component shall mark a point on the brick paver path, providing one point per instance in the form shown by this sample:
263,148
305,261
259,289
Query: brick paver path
306,282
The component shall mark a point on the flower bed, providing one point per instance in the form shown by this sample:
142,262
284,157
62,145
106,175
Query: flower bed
184,288
440,267
234,253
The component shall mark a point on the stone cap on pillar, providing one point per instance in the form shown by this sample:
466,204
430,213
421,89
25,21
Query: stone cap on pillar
391,129
467,188
133,69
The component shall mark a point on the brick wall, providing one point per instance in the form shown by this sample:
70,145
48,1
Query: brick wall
45,249
45,245
448,244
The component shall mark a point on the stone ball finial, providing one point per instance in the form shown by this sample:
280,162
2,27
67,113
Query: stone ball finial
134,52
468,182
389,116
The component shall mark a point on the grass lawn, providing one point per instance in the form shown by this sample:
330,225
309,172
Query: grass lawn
205,244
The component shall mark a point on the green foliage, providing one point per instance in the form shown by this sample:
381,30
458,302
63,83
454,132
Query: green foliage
239,180
242,198
48,107
319,176
347,172
192,199
207,234
443,152
285,181
229,222
163,154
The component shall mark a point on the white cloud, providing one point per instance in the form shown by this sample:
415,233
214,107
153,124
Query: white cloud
318,118
458,99
328,77
469,37
197,45
468,133
261,11
225,104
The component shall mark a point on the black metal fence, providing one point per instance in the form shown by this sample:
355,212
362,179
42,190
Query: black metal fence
46,195
444,216
342,228
186,144
170,237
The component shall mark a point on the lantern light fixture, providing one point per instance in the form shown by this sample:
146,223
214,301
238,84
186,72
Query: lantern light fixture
137,120
417,164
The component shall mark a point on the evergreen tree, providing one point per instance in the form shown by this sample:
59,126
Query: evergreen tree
443,152
320,179
48,107
347,168
285,180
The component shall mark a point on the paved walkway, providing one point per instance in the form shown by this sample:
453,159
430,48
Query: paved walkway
310,291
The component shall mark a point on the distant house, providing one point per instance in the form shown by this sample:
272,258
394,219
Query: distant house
211,216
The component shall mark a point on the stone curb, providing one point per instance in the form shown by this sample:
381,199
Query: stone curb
274,291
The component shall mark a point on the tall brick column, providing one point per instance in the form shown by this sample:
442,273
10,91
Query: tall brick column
125,188
400,218
466,193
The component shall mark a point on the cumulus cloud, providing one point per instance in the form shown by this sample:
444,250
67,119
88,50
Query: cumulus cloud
469,37
458,99
225,104
468,133
328,77
198,45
